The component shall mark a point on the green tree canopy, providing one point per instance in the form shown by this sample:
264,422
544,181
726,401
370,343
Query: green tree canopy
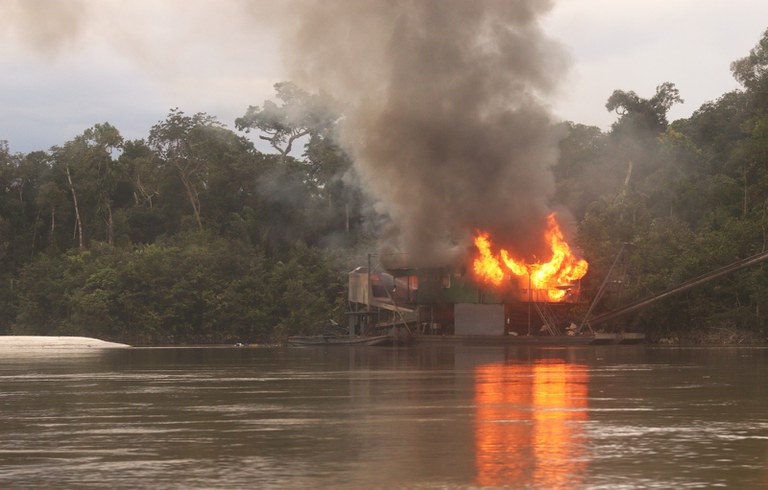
650,114
300,114
752,70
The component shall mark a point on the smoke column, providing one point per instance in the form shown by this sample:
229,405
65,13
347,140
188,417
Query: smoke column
443,117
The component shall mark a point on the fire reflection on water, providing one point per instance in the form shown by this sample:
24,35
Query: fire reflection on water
528,424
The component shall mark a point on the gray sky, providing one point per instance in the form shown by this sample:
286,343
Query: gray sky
72,63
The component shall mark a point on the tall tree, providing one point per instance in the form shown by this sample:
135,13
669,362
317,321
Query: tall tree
176,142
752,70
334,205
91,176
300,114
214,165
51,198
650,114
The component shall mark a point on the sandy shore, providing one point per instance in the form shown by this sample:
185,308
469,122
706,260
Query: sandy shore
34,342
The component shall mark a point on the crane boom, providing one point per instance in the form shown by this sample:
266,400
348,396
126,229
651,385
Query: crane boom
739,264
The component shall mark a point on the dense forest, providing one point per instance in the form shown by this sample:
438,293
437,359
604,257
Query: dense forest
197,234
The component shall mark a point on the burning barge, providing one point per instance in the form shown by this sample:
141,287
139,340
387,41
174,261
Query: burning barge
493,299
441,305
445,306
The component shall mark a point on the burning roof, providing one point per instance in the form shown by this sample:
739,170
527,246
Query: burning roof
555,276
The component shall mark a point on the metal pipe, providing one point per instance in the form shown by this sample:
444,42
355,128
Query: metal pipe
739,264
603,286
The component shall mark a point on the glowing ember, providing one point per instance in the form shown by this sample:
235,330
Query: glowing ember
562,270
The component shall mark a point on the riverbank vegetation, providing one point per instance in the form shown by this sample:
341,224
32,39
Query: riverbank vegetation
196,235
690,196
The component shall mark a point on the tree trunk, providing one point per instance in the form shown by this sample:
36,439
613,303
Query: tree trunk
53,226
194,201
110,223
744,205
34,234
78,221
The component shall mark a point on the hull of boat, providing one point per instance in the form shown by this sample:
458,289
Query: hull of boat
548,340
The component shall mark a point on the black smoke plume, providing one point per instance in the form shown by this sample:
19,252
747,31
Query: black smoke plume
443,113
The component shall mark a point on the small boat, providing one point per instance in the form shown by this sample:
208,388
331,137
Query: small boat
322,340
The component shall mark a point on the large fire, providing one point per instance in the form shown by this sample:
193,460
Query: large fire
554,276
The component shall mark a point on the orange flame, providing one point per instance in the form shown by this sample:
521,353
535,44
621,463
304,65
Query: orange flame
562,269
486,265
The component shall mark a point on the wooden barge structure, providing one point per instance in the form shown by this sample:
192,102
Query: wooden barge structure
444,305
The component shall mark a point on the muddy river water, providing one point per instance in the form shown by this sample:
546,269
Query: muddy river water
449,417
